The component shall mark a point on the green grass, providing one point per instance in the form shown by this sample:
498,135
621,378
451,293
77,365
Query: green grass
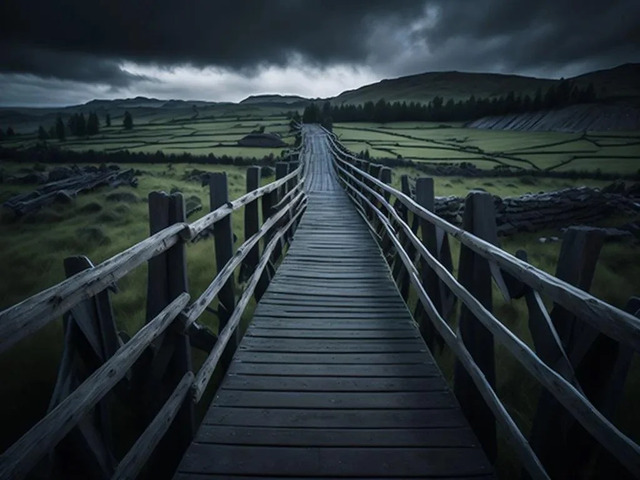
32,249
431,143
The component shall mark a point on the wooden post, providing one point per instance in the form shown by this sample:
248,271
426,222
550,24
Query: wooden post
251,225
281,172
292,184
384,175
475,275
600,366
90,339
223,236
265,278
425,197
400,273
172,359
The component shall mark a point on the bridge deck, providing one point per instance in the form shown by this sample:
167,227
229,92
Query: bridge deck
332,378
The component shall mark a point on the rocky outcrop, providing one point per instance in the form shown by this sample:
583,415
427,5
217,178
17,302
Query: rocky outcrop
576,118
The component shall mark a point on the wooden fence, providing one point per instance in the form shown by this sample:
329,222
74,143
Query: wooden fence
152,371
581,350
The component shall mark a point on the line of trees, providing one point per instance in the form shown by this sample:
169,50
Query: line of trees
51,154
559,95
79,126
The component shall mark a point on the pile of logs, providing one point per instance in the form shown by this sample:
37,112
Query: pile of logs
63,186
533,212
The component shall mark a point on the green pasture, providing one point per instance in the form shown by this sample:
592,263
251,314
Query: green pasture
98,225
487,149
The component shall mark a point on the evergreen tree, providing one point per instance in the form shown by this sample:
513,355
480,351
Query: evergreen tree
60,134
127,122
10,132
1,135
42,134
108,120
82,125
311,114
295,121
93,124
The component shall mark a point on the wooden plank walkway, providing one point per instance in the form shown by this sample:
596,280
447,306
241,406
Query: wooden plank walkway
332,379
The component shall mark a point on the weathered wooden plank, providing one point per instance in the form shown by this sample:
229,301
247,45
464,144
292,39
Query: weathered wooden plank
328,370
274,383
335,400
338,462
328,418
337,437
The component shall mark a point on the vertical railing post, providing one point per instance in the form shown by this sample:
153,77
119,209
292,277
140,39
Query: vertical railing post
400,272
475,276
384,175
425,197
167,280
223,238
281,172
251,225
599,362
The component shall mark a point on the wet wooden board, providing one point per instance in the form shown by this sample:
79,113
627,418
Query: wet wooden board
332,379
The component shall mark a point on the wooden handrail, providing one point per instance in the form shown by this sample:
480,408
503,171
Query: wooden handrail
35,312
208,367
621,446
520,443
20,457
134,460
28,316
211,218
616,323
200,305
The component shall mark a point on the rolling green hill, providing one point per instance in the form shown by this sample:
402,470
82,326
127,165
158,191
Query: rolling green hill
622,81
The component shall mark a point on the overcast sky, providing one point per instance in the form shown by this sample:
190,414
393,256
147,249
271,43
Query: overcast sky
67,52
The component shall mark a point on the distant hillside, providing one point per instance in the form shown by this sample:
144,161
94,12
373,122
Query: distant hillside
618,82
622,81
274,99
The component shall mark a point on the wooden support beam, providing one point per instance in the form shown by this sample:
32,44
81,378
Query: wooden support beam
251,225
223,236
425,197
172,355
475,276
600,364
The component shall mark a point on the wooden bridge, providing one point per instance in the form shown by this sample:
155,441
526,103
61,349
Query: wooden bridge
335,375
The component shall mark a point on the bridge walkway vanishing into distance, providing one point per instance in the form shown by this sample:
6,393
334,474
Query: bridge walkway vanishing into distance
335,377
332,378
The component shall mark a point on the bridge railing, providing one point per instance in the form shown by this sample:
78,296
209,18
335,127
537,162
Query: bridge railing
152,370
582,375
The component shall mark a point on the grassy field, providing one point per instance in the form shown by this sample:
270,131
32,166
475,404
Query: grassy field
99,226
487,149
195,136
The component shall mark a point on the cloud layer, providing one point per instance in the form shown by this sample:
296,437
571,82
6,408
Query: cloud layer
117,48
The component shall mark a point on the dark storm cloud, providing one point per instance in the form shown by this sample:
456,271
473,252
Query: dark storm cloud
532,36
87,41
234,34
81,67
